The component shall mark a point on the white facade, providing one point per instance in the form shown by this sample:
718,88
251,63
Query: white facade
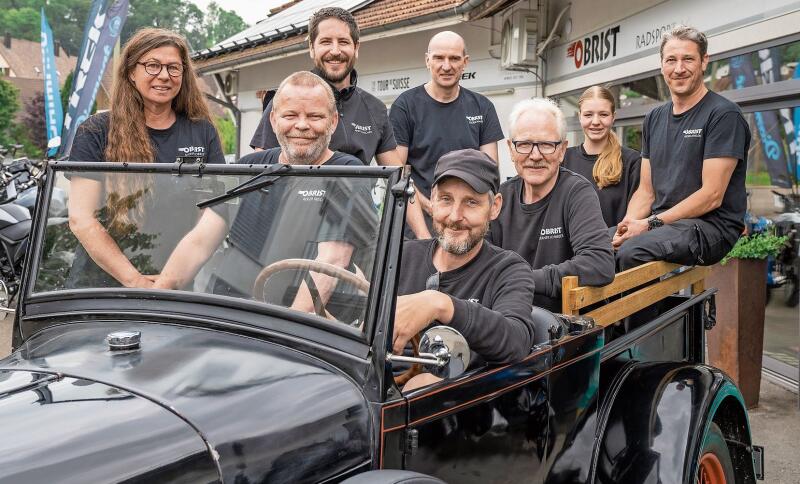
623,38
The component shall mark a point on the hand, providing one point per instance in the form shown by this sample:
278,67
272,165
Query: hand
628,229
163,282
141,281
413,313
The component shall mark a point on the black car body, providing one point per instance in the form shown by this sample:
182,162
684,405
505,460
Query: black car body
224,388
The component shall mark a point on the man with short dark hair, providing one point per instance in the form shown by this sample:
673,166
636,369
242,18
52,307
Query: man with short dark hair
460,279
441,116
690,204
551,216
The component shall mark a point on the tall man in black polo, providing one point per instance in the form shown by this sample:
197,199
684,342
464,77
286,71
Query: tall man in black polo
441,116
551,216
690,204
364,130
458,278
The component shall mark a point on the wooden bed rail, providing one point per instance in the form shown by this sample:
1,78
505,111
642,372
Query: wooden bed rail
574,297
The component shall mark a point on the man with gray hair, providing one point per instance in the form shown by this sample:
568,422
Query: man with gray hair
690,204
551,216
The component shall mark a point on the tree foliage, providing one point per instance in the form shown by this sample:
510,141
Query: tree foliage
35,121
227,135
9,104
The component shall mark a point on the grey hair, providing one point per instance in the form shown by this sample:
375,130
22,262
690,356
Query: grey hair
305,79
684,32
539,104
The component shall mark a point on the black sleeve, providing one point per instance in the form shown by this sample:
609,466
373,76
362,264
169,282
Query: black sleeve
349,216
593,259
215,154
491,130
264,137
90,145
503,333
387,141
634,172
727,137
645,135
401,121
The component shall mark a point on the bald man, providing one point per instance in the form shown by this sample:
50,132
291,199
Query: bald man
440,116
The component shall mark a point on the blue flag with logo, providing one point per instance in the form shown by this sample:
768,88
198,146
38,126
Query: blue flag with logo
54,116
101,34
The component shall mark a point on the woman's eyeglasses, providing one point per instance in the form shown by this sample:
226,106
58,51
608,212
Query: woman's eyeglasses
154,68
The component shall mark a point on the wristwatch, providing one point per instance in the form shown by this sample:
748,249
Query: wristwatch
653,222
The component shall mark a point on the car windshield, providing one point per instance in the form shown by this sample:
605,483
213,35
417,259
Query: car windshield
302,242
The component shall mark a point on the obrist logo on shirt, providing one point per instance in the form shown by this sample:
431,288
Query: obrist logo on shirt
551,233
478,119
357,128
312,195
693,133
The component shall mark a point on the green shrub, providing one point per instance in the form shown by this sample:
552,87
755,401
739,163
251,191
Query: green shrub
757,246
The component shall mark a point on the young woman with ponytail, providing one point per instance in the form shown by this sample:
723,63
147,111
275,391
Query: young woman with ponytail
613,169
158,114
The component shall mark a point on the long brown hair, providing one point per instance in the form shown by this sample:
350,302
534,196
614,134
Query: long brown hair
128,138
607,169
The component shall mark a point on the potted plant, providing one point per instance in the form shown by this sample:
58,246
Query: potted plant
736,343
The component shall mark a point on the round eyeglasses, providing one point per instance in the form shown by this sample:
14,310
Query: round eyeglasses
154,68
544,147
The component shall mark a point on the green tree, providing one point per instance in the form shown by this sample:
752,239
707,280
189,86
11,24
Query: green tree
220,24
21,23
227,135
9,104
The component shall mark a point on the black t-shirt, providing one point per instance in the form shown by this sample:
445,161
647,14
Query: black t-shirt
613,199
562,234
491,296
677,146
363,131
185,138
258,233
430,128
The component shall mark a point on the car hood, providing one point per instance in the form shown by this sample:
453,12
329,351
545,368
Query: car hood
71,430
269,413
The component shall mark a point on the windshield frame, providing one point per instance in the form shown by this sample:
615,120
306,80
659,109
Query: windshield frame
33,305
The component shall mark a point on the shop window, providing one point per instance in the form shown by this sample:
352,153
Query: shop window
773,157
763,66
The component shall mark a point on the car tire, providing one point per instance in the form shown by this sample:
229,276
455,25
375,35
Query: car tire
392,476
715,465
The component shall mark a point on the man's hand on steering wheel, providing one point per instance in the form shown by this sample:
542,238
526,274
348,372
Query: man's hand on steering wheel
415,312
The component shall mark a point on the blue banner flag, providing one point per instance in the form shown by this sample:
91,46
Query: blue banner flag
101,34
54,116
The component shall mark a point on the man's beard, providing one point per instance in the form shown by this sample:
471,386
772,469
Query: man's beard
306,155
451,246
333,79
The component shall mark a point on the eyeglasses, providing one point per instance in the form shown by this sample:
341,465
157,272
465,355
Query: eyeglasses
154,68
432,283
544,147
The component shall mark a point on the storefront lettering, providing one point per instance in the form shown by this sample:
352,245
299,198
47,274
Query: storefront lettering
383,85
652,37
595,48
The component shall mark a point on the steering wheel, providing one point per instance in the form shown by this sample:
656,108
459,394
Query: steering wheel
319,308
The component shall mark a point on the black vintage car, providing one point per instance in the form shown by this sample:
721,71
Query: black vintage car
223,381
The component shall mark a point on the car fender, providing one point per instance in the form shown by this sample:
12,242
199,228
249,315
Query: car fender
654,418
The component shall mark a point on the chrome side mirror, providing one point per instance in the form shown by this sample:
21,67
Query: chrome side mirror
443,352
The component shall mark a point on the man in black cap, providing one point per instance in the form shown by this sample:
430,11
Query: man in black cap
460,279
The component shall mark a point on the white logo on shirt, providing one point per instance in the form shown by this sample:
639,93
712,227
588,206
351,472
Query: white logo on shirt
193,150
362,129
475,119
312,195
693,133
474,300
552,233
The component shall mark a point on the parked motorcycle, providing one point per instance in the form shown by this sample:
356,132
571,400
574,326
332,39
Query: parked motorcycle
19,181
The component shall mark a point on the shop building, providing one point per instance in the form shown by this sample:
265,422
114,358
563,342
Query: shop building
524,48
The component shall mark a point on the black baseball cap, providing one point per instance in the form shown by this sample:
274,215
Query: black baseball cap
474,167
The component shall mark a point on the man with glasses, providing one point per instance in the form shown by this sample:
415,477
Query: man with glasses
690,205
460,279
551,216
441,116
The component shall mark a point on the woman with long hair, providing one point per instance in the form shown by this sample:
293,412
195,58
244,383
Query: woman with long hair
601,158
158,115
